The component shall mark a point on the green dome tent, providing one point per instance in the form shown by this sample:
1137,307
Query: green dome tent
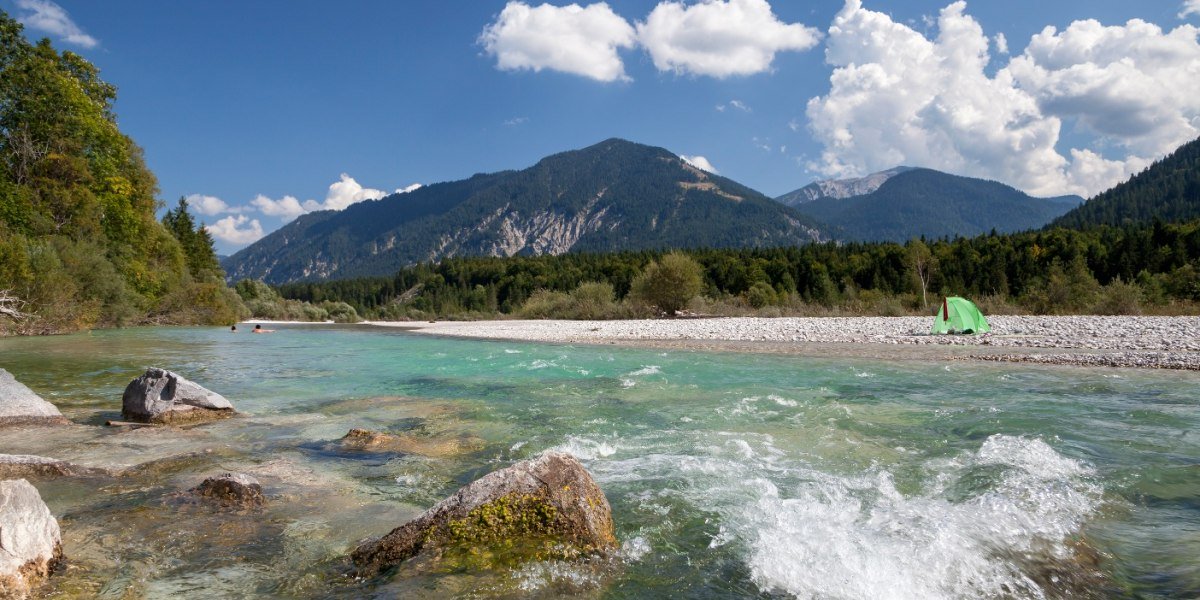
959,315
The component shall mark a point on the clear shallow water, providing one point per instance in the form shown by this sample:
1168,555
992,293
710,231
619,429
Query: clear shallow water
730,475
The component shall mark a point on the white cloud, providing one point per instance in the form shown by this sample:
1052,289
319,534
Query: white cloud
210,205
700,163
230,230
48,17
1190,7
513,122
738,104
1002,42
1134,85
571,39
720,38
286,208
898,97
342,193
412,187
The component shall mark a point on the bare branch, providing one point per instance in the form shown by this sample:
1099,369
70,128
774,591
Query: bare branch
10,306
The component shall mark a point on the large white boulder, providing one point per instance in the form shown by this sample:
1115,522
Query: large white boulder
30,541
19,405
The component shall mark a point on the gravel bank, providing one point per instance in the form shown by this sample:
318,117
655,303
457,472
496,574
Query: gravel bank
1142,342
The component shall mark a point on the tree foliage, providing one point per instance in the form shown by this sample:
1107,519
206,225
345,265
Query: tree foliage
669,283
79,242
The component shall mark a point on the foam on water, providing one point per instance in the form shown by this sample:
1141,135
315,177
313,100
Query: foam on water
858,537
983,519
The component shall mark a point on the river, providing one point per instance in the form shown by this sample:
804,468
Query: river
729,474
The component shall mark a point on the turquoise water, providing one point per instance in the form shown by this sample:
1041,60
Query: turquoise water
730,475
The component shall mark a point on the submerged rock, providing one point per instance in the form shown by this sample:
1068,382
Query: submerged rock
366,440
19,405
30,541
19,466
546,507
161,396
232,489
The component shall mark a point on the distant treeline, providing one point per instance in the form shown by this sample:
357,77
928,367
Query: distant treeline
1105,269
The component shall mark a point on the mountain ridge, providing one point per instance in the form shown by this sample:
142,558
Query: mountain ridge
924,202
1168,190
614,195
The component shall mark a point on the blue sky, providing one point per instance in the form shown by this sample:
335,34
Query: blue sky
238,101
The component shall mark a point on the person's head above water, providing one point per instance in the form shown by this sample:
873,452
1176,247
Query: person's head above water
233,327
258,326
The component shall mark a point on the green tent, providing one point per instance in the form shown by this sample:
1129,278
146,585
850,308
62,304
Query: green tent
959,315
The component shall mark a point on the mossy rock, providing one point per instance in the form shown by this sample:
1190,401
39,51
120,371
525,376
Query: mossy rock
545,508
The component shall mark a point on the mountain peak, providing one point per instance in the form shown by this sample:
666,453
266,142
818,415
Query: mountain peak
611,196
840,188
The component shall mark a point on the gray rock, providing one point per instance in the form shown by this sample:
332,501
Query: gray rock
30,541
19,405
161,396
232,489
14,466
548,506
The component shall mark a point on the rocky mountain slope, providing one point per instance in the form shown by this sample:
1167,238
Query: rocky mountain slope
839,188
615,195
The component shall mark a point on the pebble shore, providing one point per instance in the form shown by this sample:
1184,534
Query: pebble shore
1139,342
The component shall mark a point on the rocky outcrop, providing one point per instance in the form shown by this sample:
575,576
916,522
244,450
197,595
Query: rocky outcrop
232,489
20,466
20,406
30,541
546,507
365,440
161,396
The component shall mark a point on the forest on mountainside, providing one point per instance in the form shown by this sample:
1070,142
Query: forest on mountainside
1168,190
80,245
1111,270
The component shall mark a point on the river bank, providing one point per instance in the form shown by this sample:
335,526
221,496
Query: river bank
1113,341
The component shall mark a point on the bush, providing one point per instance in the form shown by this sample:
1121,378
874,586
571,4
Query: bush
591,300
1119,298
668,284
760,294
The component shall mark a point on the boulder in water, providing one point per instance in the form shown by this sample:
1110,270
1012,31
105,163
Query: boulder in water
542,508
30,541
17,466
444,446
20,406
232,489
161,396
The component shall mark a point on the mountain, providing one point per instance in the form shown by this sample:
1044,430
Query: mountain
615,195
839,188
924,202
1169,190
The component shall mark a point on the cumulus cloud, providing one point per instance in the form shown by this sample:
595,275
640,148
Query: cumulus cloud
898,97
1135,84
210,205
286,208
1002,42
1190,7
700,163
720,38
571,39
50,18
231,230
342,193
